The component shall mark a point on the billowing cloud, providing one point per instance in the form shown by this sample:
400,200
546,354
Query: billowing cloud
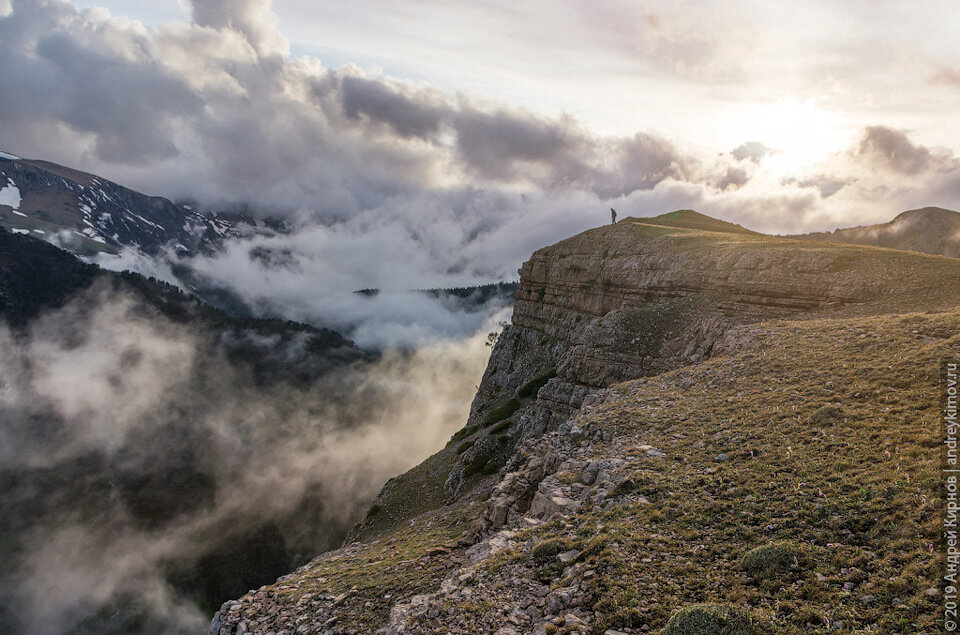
422,186
254,19
407,115
894,150
217,110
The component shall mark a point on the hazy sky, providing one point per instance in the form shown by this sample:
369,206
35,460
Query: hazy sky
479,130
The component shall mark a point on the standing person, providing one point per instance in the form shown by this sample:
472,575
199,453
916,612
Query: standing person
613,216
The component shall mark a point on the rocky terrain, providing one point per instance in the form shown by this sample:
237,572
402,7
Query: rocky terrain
930,230
687,428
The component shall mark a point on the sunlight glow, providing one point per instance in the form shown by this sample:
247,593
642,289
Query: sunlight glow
801,133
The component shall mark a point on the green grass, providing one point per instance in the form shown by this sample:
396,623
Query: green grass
709,619
530,388
502,411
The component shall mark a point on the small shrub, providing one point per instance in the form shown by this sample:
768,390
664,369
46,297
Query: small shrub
491,467
373,511
464,432
624,487
466,445
503,426
595,546
771,559
709,619
502,411
482,466
547,550
530,388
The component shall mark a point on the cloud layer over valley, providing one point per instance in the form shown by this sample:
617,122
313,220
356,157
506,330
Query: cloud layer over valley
148,474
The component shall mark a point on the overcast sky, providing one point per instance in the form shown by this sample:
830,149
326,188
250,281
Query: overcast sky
477,131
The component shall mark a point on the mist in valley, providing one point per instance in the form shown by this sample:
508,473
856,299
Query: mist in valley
146,477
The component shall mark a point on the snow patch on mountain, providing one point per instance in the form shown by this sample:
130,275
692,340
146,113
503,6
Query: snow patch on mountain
10,195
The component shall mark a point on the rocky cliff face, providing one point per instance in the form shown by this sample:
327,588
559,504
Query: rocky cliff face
557,450
646,296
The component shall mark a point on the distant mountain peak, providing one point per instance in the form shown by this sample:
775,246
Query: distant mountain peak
930,230
86,214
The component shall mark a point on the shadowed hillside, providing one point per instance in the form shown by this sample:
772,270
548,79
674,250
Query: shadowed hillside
689,219
930,230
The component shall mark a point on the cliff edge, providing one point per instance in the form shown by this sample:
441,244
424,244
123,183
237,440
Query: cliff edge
686,422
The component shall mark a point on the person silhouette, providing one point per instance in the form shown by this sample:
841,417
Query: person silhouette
613,216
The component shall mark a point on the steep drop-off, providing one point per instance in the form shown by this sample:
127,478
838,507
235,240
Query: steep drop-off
682,411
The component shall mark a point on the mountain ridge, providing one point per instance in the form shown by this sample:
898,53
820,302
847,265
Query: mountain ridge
88,214
641,364
931,230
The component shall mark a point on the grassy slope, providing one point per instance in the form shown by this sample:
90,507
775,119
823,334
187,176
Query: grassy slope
689,219
364,580
936,284
856,493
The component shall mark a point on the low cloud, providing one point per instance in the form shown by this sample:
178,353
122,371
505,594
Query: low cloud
173,455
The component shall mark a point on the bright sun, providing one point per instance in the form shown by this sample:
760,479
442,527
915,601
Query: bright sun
800,132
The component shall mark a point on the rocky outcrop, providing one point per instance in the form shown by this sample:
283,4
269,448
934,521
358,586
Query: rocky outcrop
646,296
639,298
